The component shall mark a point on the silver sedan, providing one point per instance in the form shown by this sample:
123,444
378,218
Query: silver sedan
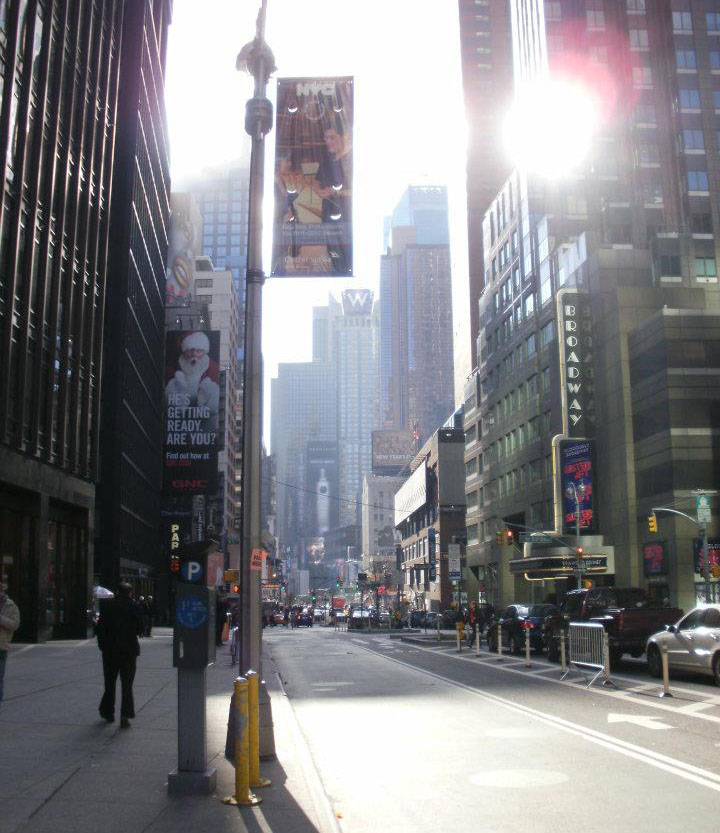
693,644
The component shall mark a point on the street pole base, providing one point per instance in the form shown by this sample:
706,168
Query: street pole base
665,694
260,783
182,782
250,801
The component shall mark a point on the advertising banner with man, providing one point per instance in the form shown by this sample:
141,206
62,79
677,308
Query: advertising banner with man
312,227
192,405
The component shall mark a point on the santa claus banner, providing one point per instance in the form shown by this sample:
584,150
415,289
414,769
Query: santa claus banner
192,405
312,230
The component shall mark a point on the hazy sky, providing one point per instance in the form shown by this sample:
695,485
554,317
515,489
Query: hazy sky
409,121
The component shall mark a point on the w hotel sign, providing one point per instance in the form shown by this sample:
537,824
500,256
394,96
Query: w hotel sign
576,363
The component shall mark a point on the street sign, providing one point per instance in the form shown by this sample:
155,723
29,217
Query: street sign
535,538
454,571
702,505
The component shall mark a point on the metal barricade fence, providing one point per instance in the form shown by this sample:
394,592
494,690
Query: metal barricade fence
589,651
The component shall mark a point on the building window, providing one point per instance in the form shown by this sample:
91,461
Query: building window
636,6
553,10
713,21
545,379
595,18
693,140
689,99
530,347
716,99
638,39
697,180
471,468
642,76
529,304
670,265
547,334
685,59
714,58
682,22
701,224
705,267
648,154
652,193
645,114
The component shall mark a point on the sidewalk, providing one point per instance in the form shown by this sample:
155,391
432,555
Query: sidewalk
62,768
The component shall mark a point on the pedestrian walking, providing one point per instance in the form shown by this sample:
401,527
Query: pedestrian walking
119,625
221,607
9,623
150,612
473,620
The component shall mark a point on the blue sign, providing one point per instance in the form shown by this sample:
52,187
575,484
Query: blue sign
191,611
431,554
191,571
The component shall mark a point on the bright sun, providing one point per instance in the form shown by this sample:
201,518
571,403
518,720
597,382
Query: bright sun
550,127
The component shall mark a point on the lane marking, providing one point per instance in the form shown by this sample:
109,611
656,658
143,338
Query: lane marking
624,695
703,777
646,721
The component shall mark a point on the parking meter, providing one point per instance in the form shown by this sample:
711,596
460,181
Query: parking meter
194,634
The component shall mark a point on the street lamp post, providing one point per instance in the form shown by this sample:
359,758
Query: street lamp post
257,59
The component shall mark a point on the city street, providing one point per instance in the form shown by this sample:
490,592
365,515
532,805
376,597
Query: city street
372,733
409,737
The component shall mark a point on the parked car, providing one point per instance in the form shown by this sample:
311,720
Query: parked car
449,617
432,618
693,644
361,619
514,620
624,612
415,619
279,617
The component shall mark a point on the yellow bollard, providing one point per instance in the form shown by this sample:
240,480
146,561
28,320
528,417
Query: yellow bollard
243,797
460,628
254,714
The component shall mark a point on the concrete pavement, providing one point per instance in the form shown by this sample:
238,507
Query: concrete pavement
62,768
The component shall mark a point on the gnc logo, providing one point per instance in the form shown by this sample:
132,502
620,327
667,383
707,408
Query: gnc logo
189,484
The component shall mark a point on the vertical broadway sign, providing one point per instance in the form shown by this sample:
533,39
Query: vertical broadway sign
576,363
312,227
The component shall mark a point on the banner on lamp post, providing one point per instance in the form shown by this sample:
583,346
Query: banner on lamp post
312,226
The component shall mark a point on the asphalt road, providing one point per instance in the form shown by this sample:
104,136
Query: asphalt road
414,737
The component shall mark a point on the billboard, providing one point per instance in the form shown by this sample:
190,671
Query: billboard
411,495
357,301
192,404
654,561
312,226
184,242
576,479
321,484
699,555
391,451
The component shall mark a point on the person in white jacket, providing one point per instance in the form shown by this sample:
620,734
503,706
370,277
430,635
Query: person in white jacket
9,623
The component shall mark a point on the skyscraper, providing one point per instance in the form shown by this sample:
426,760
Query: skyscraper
627,238
63,136
131,436
356,365
416,344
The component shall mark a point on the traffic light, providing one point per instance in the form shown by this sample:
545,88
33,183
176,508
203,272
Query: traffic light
509,537
579,551
652,522
314,596
339,583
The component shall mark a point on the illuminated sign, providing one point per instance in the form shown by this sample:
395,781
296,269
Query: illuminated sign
576,486
654,561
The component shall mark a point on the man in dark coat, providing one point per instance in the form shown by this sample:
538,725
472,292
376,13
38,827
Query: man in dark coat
118,628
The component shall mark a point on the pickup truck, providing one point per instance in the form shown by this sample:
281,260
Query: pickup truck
624,612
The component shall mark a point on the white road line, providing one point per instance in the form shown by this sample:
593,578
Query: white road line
691,708
660,705
703,777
